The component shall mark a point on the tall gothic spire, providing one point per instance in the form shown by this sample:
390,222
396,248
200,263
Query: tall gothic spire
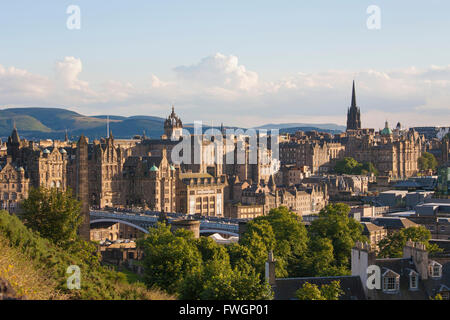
353,114
353,95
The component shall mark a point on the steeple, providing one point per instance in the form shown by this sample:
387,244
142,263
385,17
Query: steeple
353,95
15,135
353,114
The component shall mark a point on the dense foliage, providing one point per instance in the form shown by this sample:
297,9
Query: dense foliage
55,214
97,282
392,245
348,165
427,161
199,268
310,291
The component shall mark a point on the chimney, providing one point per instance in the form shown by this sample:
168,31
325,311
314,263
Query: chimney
361,258
419,255
270,269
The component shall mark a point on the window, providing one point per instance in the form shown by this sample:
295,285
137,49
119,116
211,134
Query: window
413,281
435,269
390,283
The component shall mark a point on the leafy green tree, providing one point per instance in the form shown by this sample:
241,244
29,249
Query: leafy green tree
200,268
392,245
55,214
427,161
168,258
217,281
310,291
319,259
240,257
348,165
281,231
259,239
335,224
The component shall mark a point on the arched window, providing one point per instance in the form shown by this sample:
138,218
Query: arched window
413,280
435,269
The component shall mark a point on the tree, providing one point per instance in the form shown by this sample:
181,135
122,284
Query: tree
259,239
55,214
392,245
168,258
334,224
348,165
199,268
310,291
281,231
318,260
427,161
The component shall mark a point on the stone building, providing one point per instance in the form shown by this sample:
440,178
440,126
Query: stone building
13,186
301,199
394,153
415,276
200,194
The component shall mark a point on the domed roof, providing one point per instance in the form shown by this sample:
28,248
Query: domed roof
21,169
63,150
46,151
172,168
386,131
154,168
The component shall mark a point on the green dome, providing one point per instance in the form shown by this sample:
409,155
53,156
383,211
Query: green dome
386,131
172,168
154,168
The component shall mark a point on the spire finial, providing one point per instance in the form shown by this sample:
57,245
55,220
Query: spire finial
353,95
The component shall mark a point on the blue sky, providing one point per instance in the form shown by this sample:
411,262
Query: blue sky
312,48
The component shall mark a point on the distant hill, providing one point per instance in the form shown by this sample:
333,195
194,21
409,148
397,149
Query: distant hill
315,126
51,123
306,129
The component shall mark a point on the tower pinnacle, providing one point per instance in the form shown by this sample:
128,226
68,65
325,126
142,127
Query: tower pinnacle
353,114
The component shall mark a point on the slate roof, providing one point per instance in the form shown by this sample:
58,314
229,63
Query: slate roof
403,267
370,227
395,223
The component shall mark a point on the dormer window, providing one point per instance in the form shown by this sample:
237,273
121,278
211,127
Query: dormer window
413,280
435,269
391,281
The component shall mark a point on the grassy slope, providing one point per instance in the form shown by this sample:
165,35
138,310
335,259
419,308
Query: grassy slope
36,268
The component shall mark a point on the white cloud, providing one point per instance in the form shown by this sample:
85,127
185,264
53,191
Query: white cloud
219,88
219,71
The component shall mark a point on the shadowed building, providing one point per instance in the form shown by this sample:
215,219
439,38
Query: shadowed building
353,113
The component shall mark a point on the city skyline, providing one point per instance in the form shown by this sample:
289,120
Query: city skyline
119,63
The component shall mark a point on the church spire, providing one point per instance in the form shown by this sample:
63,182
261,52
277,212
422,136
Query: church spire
353,95
353,114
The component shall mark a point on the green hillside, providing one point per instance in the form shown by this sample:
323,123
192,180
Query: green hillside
51,123
36,268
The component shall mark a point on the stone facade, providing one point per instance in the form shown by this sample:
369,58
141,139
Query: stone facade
394,152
